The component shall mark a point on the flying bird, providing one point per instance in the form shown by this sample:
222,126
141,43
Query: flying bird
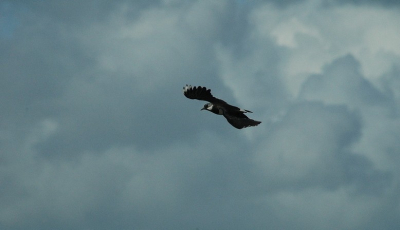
234,115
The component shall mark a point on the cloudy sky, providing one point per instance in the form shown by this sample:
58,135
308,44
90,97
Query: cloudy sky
95,132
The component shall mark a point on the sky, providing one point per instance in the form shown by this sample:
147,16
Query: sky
95,132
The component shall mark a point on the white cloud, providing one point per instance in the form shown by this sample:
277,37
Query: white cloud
315,35
287,31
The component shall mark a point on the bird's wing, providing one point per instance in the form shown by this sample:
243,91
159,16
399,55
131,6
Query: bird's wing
201,93
240,122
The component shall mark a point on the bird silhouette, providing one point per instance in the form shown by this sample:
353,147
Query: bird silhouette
234,115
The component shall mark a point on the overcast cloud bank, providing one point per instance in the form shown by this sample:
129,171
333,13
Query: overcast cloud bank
96,134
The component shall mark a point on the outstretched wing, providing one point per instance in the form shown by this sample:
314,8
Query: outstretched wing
241,122
201,93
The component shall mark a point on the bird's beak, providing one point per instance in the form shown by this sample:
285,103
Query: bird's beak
201,109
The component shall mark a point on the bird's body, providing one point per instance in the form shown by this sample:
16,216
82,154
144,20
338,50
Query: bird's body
234,115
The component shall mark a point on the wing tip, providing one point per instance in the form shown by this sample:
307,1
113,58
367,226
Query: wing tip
190,91
186,88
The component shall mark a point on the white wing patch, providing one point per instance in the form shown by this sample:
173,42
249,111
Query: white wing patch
186,88
245,111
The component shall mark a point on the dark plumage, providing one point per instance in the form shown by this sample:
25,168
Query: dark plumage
234,115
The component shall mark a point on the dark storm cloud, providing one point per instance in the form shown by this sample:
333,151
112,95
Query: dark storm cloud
342,83
37,65
118,110
81,13
391,82
318,155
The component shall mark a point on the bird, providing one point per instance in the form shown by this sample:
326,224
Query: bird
234,115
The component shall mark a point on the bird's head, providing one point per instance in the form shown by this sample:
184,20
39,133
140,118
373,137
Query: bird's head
207,106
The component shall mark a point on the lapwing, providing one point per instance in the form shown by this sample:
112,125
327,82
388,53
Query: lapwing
234,115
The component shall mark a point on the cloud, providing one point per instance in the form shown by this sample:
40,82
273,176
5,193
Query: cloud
342,83
385,3
157,64
311,147
78,13
95,131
